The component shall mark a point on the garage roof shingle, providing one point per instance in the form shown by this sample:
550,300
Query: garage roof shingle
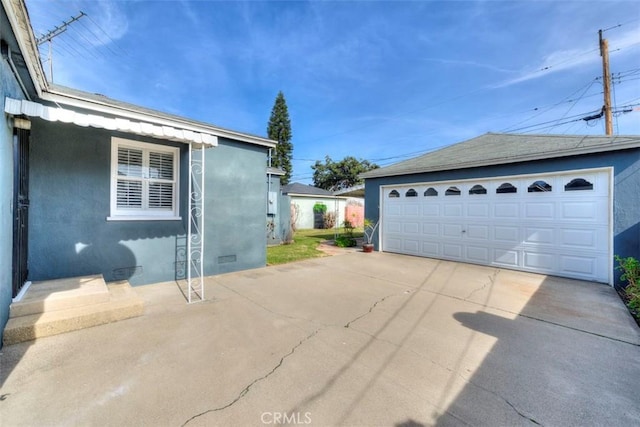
494,149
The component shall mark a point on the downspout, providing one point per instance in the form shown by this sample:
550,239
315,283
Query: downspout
269,176
189,219
269,218
336,210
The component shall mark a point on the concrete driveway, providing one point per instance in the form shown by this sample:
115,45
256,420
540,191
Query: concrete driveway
354,339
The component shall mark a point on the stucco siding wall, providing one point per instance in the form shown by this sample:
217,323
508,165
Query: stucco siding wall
626,203
70,234
236,196
305,210
8,87
626,206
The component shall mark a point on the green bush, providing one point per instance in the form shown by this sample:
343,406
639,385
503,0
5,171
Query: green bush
319,208
345,242
630,268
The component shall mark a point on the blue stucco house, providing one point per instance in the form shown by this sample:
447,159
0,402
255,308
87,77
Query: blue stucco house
561,205
91,185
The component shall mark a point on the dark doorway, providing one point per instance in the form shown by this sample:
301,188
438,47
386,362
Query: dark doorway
21,208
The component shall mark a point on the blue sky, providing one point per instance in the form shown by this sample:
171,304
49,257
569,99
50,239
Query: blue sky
378,80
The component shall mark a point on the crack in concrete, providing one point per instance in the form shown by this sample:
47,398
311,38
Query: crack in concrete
518,412
473,383
458,374
491,282
270,310
466,380
595,334
348,324
504,399
357,356
469,381
245,390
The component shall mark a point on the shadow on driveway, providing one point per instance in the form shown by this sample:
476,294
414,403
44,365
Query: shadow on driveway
359,339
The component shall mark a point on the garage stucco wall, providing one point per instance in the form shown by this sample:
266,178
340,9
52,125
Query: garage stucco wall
69,234
626,177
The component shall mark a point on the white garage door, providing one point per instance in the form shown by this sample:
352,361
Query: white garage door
555,224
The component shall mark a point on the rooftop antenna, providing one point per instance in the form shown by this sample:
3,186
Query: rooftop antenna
56,32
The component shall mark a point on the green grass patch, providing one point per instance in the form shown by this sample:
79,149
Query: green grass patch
304,246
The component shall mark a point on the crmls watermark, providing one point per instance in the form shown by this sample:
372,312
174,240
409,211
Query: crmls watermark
295,418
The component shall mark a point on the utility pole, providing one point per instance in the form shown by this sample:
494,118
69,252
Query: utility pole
606,79
56,32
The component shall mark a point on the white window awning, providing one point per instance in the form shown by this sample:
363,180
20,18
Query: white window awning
17,107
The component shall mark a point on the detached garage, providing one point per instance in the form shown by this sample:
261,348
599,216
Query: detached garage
558,205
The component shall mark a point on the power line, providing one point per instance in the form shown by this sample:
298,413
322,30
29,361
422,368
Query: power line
554,122
75,47
585,117
576,101
101,39
621,25
456,97
107,35
564,100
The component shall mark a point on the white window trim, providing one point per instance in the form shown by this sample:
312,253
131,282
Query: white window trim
117,214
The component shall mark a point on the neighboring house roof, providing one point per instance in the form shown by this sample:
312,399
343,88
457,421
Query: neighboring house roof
495,149
111,114
355,191
299,189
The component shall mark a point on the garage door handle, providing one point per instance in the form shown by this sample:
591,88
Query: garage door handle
464,231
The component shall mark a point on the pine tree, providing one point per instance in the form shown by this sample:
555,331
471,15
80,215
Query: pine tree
279,129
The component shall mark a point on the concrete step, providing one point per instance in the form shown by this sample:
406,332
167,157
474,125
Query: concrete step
123,303
61,294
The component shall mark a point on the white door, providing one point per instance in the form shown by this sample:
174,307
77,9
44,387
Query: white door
557,224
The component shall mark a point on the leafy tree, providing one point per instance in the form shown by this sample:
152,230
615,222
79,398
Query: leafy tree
334,176
279,129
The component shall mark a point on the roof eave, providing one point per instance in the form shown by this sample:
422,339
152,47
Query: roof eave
520,159
326,196
21,25
54,96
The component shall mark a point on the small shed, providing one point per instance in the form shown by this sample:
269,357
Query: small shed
305,197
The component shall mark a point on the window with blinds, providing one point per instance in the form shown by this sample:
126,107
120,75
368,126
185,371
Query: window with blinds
144,180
